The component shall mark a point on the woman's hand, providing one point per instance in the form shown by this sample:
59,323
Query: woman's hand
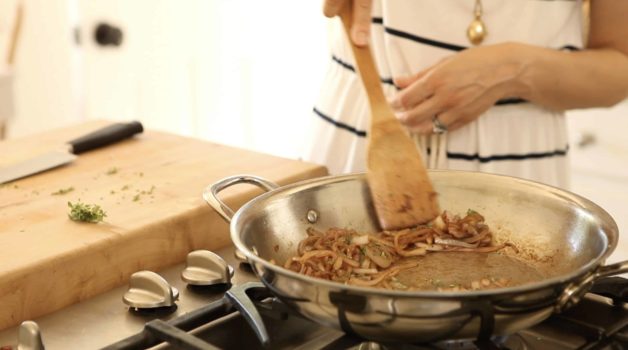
460,88
361,28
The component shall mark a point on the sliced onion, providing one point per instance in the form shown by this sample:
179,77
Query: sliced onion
429,247
439,223
415,252
454,242
365,271
378,259
351,262
360,239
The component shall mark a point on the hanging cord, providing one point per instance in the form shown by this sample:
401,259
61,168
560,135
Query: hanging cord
436,158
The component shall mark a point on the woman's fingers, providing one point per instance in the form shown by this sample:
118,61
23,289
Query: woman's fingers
361,27
454,118
361,20
405,81
457,89
414,91
420,116
331,8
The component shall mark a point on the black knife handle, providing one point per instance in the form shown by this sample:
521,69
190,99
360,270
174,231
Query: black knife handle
105,136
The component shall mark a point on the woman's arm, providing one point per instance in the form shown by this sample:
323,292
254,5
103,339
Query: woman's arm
462,87
595,77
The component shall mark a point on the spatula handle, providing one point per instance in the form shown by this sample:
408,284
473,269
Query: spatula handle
365,66
105,136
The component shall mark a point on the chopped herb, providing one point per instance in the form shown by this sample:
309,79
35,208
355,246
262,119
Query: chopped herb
125,187
136,198
471,212
152,188
85,212
112,171
63,191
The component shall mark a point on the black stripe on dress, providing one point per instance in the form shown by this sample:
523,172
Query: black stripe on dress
436,43
341,125
419,39
498,157
455,155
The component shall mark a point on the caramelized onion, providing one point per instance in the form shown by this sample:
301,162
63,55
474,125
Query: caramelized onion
346,256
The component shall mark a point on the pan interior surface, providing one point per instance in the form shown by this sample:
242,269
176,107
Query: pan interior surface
556,233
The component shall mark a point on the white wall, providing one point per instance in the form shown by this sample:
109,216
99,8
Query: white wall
230,71
600,168
47,67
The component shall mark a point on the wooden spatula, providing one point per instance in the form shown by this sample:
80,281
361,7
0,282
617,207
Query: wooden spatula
400,187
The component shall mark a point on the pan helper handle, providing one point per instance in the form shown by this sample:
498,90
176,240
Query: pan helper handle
210,194
574,292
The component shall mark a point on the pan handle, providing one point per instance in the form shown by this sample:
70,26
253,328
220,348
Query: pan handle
574,292
210,194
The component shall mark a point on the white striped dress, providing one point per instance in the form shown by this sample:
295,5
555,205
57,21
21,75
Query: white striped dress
514,137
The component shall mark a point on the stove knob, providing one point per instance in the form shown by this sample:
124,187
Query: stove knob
29,337
205,268
148,290
369,345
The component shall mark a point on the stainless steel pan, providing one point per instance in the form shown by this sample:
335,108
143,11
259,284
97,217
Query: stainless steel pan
563,235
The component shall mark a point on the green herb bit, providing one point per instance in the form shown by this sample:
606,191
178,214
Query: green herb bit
125,187
112,171
85,212
63,191
136,198
471,212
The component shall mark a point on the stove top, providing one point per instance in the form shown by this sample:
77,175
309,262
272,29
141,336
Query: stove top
207,318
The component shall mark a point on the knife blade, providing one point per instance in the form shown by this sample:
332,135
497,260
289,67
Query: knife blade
96,139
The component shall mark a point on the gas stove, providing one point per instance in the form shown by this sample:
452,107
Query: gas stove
214,317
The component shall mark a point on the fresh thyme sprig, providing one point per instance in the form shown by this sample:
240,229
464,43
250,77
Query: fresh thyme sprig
86,212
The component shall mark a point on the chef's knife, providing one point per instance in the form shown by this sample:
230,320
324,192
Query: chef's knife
99,138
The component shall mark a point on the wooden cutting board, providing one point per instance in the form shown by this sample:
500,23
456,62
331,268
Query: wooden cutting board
150,187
